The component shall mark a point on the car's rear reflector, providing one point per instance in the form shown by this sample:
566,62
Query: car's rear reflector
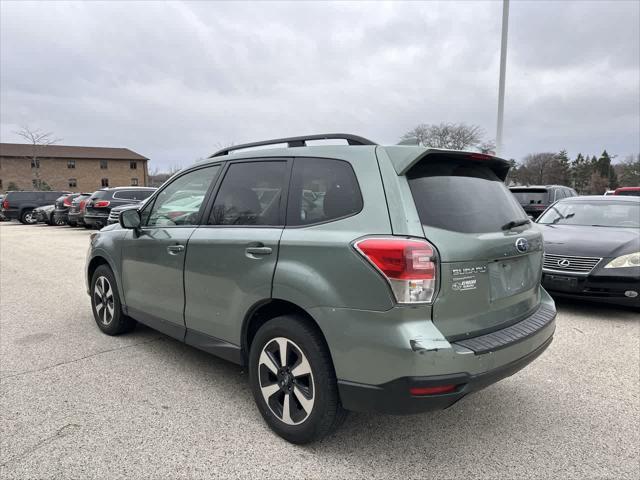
438,390
408,265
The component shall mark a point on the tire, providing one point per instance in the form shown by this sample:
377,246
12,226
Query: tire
88,227
72,224
105,303
273,383
27,217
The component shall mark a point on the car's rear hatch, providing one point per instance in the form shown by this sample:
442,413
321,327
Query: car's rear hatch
533,200
489,273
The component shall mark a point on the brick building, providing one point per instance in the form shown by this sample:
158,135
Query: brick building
80,169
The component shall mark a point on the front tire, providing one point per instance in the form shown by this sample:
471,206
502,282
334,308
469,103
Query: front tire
105,303
293,381
27,217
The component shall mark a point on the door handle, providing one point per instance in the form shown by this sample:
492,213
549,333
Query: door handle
175,249
258,250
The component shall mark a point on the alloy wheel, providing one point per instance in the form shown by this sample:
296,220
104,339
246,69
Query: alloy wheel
286,381
103,300
29,218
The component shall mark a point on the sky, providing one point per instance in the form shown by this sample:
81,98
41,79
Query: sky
175,81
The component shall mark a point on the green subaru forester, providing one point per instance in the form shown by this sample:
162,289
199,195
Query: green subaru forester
394,279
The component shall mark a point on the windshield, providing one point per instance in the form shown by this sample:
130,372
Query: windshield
531,196
603,214
462,196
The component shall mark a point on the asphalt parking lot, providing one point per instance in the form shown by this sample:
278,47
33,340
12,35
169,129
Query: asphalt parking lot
78,404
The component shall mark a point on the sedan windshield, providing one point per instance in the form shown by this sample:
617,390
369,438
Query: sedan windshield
597,213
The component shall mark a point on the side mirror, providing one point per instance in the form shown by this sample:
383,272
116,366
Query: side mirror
130,219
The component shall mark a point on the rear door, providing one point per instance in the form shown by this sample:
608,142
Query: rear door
231,258
153,260
490,274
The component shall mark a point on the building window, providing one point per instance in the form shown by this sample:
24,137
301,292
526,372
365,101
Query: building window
105,182
103,165
134,182
73,183
35,163
71,164
0,184
133,165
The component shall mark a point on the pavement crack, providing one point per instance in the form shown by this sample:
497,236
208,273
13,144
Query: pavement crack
62,432
48,367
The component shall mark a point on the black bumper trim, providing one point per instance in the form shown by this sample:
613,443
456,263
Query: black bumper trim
394,398
508,336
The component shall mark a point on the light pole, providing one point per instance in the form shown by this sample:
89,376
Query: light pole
503,68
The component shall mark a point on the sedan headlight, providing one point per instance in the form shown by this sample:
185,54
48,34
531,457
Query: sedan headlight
629,260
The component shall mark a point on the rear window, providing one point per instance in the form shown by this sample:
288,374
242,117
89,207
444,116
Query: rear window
101,194
531,196
133,194
322,190
462,196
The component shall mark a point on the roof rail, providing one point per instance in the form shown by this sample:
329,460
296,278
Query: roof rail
298,142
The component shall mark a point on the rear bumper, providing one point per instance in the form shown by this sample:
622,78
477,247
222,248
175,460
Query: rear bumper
97,220
394,397
11,214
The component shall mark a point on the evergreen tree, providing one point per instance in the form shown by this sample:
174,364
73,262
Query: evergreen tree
563,168
581,173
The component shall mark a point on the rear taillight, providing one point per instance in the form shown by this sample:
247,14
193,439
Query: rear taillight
101,204
5,204
67,201
82,205
409,265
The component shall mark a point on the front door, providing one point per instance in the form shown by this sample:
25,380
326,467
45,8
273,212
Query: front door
153,259
231,258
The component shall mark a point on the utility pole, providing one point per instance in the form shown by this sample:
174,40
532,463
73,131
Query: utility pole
503,68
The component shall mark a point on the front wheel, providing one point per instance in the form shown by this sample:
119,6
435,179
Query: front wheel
293,380
105,303
28,218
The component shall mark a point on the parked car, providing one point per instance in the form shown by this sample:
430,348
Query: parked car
20,205
592,249
75,216
535,199
44,214
114,214
2,217
356,277
62,206
102,201
628,191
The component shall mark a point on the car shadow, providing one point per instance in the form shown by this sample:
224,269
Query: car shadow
585,307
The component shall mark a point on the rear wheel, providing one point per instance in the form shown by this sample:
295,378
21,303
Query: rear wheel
293,381
27,217
105,303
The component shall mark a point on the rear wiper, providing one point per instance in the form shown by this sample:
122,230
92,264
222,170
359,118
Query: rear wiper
515,223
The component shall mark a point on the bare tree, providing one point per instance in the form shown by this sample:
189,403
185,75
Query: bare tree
39,141
537,168
454,136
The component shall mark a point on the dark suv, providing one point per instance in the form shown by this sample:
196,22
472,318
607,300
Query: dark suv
352,277
20,205
99,206
535,199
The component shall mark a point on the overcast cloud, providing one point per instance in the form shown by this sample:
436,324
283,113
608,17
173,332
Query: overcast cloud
174,81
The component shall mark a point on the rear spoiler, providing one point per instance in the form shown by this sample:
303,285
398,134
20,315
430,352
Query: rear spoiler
404,157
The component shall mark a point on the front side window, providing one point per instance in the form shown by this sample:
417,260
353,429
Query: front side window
179,202
251,194
322,190
104,164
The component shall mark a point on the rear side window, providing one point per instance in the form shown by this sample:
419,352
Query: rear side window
462,196
322,190
531,196
251,194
